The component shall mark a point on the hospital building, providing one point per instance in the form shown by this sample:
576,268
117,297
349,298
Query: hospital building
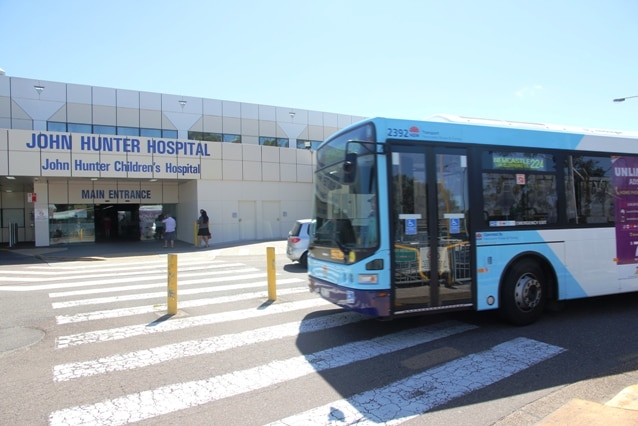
92,164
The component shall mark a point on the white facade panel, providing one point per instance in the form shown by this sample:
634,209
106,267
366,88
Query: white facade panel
24,163
231,109
270,172
232,170
58,192
288,172
231,125
78,94
104,96
249,111
251,170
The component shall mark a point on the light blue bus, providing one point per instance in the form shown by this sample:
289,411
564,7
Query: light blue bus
414,217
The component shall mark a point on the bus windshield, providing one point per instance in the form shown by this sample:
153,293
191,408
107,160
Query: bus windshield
345,206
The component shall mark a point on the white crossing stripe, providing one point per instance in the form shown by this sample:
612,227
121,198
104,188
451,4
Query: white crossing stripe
417,394
153,356
174,397
141,296
139,263
75,284
137,310
182,281
182,323
55,275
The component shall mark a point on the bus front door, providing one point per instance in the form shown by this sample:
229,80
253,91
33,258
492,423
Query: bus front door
429,212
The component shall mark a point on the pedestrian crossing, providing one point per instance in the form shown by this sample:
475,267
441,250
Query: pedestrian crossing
229,341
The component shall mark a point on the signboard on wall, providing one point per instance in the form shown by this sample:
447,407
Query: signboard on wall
89,155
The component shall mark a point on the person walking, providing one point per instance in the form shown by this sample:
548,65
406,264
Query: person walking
203,230
159,227
169,230
107,227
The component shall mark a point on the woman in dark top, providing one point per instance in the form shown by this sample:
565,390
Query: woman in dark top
203,232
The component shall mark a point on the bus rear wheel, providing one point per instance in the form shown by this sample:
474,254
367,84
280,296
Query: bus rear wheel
523,293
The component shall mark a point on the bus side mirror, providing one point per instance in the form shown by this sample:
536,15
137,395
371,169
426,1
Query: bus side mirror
350,168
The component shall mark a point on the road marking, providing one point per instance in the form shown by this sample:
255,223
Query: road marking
113,269
153,356
408,398
182,323
175,397
93,282
137,310
183,280
162,294
137,262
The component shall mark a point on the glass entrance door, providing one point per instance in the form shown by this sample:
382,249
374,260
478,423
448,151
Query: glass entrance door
431,265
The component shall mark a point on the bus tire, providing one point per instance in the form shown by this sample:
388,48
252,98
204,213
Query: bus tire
303,261
523,293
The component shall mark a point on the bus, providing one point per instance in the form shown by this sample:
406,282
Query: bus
453,213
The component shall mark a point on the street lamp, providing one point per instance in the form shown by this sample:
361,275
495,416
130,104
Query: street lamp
625,98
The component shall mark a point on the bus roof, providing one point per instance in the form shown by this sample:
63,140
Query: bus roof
450,118
457,129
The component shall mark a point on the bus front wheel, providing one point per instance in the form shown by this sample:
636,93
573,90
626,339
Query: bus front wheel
523,293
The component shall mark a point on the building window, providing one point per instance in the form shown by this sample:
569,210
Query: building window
205,136
283,142
268,141
153,133
104,130
169,134
56,126
79,128
308,144
128,131
232,138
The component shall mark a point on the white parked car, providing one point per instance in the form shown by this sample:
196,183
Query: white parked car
298,237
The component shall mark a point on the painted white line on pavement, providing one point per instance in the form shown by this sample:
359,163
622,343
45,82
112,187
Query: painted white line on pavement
113,268
182,278
99,271
182,323
178,396
153,356
94,282
417,394
137,310
162,294
137,262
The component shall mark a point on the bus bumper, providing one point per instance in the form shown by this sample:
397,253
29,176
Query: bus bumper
370,302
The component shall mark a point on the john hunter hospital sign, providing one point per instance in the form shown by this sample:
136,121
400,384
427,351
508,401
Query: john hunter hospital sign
119,145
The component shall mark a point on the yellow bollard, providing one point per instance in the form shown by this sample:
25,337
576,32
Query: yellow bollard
171,301
270,266
195,236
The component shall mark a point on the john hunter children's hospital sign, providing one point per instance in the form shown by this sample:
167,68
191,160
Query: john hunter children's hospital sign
32,153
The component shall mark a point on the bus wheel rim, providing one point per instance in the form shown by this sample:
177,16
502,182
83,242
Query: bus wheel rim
528,293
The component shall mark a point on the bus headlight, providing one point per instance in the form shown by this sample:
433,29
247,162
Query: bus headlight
368,279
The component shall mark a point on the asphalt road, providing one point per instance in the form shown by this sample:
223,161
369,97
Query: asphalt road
86,339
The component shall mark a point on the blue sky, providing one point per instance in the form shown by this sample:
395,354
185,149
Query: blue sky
550,61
